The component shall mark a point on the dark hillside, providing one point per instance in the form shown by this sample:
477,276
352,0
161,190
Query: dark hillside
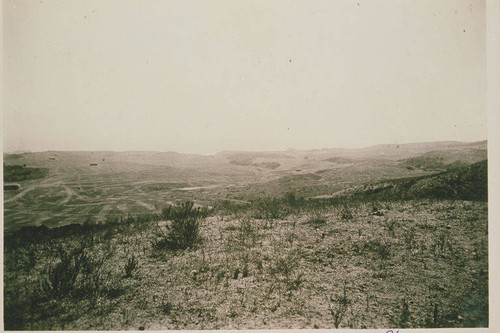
15,173
464,183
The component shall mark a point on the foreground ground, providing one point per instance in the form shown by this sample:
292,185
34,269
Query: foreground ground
415,263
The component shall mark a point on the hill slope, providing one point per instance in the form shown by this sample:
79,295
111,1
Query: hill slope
465,183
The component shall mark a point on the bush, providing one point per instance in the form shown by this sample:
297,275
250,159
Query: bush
60,278
184,211
269,208
184,230
130,266
75,274
316,221
166,306
338,307
345,213
405,314
247,234
245,270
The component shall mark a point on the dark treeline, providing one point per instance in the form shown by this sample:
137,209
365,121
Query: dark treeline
15,173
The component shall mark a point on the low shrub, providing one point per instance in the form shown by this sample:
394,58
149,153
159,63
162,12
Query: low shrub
184,230
130,266
75,274
338,306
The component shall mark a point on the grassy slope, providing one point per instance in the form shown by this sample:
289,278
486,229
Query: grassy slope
428,256
465,183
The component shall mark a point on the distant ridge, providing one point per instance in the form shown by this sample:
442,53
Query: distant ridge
442,144
412,145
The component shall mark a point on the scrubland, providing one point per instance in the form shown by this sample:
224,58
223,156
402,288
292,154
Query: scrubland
415,263
129,246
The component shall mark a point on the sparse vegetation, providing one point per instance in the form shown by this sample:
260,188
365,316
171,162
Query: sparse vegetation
398,253
277,272
338,307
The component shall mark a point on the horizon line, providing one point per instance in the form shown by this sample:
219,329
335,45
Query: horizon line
246,151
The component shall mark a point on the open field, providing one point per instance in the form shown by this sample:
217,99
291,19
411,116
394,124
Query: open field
142,182
387,236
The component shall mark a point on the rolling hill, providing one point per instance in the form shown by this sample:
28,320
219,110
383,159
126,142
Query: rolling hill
75,186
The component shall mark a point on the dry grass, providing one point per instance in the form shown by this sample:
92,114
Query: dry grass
399,264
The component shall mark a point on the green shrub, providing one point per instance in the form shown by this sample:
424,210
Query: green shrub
405,314
166,306
345,213
60,278
380,249
184,230
269,208
130,266
317,221
338,307
184,211
245,270
75,274
247,234
236,273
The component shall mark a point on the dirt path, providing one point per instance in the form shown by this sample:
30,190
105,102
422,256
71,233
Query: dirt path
70,193
20,195
102,214
148,206
193,188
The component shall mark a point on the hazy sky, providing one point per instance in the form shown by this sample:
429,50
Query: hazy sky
206,76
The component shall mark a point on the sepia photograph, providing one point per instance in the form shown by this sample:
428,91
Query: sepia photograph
245,165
